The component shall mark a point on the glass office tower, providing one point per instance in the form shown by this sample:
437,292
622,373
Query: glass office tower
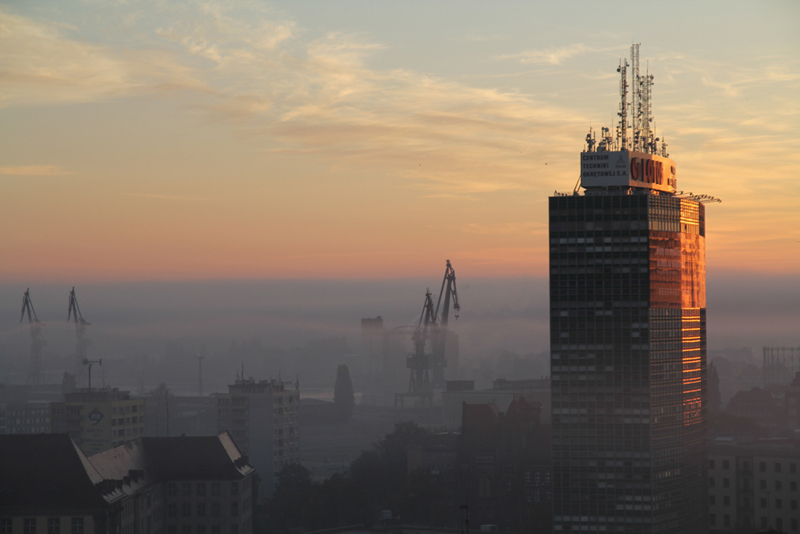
628,351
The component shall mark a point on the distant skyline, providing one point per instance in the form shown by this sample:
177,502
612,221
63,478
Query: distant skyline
208,140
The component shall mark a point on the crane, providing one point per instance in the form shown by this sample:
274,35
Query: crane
36,374
449,292
419,361
83,341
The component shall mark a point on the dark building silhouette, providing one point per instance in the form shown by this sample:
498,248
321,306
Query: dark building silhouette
183,485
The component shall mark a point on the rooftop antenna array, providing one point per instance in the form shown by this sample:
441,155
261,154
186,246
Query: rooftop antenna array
635,130
36,374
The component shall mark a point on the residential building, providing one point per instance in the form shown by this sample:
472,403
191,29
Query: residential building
186,485
262,416
98,419
753,486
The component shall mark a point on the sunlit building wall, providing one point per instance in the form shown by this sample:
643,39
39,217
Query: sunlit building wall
628,358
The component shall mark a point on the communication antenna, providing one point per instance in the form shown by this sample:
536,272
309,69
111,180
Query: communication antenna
622,130
636,98
649,145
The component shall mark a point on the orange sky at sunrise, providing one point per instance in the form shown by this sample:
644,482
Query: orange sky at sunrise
204,140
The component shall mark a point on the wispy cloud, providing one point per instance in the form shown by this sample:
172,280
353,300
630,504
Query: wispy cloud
34,170
550,56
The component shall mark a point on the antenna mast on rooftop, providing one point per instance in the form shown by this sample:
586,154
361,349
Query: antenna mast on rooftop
622,129
636,100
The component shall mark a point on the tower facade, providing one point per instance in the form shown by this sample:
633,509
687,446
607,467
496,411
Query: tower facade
628,345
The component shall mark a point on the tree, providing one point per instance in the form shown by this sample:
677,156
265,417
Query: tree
343,397
287,508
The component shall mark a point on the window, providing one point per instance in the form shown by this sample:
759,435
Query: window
712,519
777,467
215,509
53,525
172,529
712,499
779,523
778,504
5,525
186,529
763,503
201,529
234,509
77,525
726,501
778,485
764,523
726,483
186,510
726,464
172,510
762,466
794,486
215,529
727,520
793,505
793,468
711,464
763,484
201,489
215,489
234,489
29,525
711,482
186,489
234,529
201,510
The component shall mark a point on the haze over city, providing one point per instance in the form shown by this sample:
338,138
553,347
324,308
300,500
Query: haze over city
232,188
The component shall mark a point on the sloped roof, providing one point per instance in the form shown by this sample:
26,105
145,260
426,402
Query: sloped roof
46,471
123,470
195,458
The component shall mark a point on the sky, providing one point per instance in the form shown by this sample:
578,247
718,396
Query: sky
248,140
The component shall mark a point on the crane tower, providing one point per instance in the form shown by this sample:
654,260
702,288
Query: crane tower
83,341
36,373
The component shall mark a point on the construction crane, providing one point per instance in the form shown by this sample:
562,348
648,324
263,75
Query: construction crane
36,374
83,342
449,292
419,362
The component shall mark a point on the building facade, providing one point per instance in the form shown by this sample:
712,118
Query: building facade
754,487
628,340
98,419
262,416
183,485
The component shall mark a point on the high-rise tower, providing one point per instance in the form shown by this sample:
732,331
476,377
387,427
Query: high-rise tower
628,336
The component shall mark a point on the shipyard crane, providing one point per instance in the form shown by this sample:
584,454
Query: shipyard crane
449,292
83,342
419,362
36,374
